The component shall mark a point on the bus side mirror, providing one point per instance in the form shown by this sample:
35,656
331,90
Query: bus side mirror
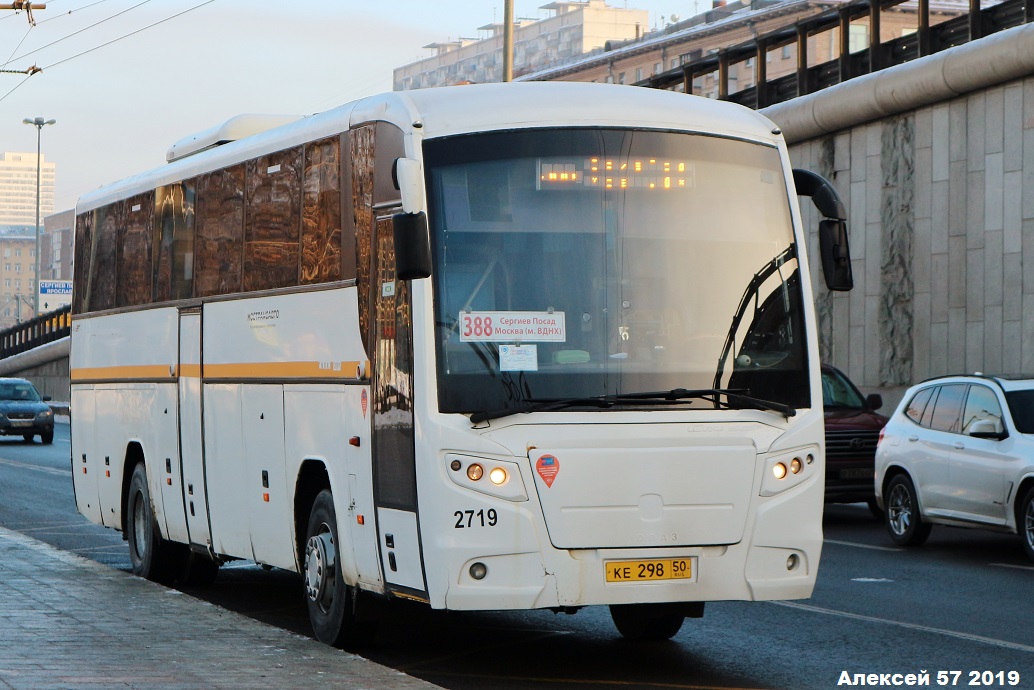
412,246
408,174
833,245
836,255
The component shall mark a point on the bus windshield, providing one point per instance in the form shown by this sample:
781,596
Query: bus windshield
596,262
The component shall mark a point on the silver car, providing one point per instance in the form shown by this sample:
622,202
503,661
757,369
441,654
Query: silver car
959,450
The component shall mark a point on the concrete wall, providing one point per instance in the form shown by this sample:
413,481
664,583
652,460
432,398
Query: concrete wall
46,367
940,194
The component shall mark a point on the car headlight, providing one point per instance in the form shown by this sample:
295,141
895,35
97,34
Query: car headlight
45,414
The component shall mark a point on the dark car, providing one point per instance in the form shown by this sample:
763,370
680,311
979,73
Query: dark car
24,412
852,433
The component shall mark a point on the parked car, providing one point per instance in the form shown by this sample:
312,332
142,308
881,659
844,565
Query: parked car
959,450
852,432
24,412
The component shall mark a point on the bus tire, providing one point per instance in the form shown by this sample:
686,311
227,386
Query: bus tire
148,552
646,622
330,600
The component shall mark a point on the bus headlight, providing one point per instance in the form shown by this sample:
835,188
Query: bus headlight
787,470
504,476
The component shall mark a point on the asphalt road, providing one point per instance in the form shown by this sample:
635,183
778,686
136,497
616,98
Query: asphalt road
962,602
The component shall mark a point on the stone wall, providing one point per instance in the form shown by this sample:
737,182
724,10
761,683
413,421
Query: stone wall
941,212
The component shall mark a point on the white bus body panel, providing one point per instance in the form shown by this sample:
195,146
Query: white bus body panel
320,420
609,467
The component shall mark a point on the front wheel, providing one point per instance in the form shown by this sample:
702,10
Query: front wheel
1025,522
149,554
330,600
46,438
646,622
904,523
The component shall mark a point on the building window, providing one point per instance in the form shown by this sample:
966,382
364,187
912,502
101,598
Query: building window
858,38
786,52
621,77
638,73
17,252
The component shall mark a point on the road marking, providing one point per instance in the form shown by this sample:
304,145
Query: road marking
863,546
38,468
1010,565
911,626
870,579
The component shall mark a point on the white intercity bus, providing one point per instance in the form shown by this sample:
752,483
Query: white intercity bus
507,346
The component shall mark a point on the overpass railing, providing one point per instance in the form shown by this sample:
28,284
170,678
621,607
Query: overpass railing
41,330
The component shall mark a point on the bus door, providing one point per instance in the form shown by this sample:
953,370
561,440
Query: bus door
191,447
393,440
386,326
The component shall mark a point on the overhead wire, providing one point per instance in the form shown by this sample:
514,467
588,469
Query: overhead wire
102,45
131,33
86,28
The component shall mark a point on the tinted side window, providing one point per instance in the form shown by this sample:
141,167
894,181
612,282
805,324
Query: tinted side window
982,403
918,405
947,408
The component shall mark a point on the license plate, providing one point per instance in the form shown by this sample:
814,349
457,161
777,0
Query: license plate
856,473
649,570
21,422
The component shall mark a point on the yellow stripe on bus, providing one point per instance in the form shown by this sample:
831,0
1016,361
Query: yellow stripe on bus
241,370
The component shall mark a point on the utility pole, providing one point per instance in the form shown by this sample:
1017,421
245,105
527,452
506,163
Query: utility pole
508,40
25,5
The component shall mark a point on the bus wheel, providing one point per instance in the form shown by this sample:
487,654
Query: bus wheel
148,552
330,600
647,622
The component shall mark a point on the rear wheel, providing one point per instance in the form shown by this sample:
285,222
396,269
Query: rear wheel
904,523
150,555
330,600
646,622
1025,522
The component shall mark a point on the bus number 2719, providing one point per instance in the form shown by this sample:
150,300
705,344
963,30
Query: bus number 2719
478,518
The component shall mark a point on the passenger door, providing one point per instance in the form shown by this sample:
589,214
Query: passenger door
978,468
931,446
191,447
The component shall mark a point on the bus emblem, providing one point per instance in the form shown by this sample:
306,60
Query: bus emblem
548,467
364,402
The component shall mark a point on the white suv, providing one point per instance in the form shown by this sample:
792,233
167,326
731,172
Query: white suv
959,450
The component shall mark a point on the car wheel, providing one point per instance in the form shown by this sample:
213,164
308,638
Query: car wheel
149,554
1025,522
904,523
330,600
47,437
646,622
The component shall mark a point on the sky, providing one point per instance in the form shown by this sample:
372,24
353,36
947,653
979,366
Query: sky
125,79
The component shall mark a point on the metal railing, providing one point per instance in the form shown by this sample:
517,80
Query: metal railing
41,330
808,78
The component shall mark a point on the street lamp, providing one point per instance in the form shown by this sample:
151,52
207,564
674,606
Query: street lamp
39,123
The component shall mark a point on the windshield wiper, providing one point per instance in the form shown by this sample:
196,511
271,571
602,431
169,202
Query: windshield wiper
737,399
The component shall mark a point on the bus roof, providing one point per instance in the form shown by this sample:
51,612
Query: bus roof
445,111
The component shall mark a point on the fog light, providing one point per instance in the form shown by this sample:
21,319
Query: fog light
475,472
478,571
779,470
455,465
497,476
793,561
796,466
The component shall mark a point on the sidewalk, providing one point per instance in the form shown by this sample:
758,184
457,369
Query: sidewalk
69,622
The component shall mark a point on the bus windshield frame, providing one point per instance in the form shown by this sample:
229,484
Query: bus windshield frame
599,263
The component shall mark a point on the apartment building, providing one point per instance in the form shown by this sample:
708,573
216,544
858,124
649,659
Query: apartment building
570,30
18,189
17,278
